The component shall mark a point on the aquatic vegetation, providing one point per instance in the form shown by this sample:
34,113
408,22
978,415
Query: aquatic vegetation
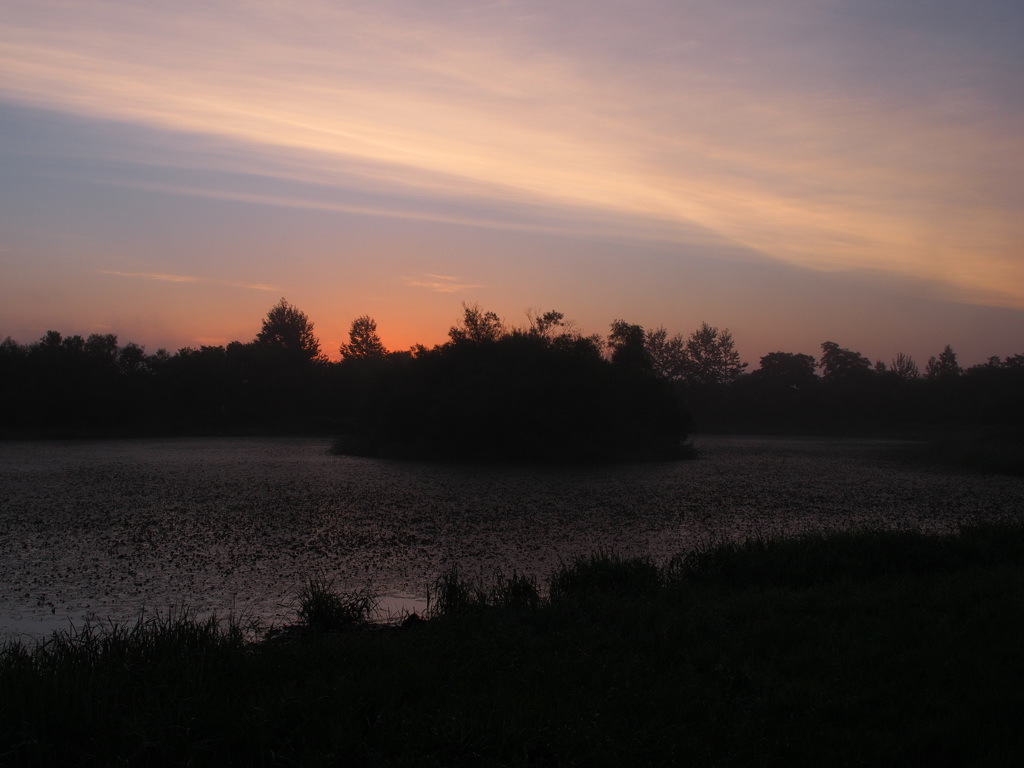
817,558
322,608
451,595
454,595
97,530
628,662
605,574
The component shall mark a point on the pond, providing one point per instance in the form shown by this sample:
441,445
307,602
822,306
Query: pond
107,529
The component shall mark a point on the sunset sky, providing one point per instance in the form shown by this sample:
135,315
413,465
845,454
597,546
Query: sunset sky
794,170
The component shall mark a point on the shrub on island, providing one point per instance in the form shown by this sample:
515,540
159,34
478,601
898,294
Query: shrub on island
517,396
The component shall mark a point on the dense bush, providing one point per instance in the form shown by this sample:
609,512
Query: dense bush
519,397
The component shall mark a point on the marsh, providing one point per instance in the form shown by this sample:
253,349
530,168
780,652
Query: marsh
108,529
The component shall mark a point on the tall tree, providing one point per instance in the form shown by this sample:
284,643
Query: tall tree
838,362
476,326
131,358
904,367
287,328
788,370
712,358
627,342
363,341
101,347
668,353
945,366
548,325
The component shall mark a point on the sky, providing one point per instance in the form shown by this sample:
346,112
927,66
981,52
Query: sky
794,170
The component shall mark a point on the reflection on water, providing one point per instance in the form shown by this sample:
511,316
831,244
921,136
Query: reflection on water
109,529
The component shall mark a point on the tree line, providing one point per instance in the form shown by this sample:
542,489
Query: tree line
542,389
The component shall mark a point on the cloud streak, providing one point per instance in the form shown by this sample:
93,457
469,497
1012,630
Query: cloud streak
163,277
665,121
441,283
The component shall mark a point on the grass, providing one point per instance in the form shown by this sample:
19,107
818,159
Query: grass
855,648
453,596
324,609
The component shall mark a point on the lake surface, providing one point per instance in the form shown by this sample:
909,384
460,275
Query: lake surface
105,530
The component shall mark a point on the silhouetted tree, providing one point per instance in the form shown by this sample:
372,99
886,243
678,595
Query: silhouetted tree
102,347
286,328
904,367
711,357
12,353
992,389
476,326
74,346
853,393
363,341
51,340
668,354
629,350
837,362
781,394
944,366
787,370
15,397
548,324
131,359
542,393
283,371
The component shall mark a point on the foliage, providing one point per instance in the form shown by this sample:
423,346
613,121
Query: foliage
517,592
944,366
787,370
603,575
706,359
287,328
543,392
452,595
839,363
476,326
323,609
712,359
904,367
548,325
667,353
363,343
532,395
855,648
626,341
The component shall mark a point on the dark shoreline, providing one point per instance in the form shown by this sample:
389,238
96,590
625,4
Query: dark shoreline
852,648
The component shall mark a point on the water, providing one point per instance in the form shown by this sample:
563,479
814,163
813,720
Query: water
106,530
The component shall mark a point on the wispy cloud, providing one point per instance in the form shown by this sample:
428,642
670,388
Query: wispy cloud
163,277
441,283
569,221
665,117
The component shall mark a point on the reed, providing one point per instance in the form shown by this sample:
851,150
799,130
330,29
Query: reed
849,648
322,608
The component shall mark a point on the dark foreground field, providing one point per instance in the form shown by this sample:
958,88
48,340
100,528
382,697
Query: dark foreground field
866,648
